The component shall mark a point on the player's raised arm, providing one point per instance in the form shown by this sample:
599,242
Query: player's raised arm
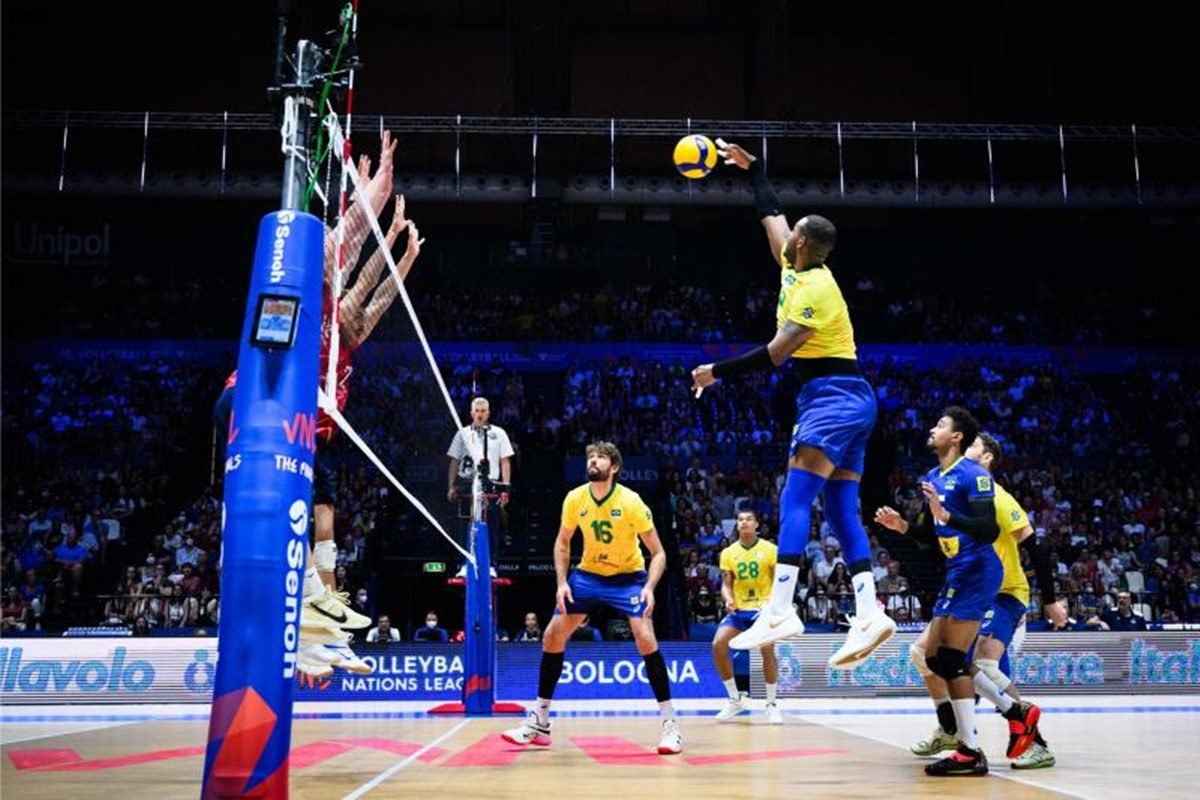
766,202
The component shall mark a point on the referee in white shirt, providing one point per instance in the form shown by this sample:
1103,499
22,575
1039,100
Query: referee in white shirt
469,443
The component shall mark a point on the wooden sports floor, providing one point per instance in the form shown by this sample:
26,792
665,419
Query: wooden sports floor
1106,746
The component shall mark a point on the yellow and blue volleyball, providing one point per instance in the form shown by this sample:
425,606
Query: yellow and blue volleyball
695,156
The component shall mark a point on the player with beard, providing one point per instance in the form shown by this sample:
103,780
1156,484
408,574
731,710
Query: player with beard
611,573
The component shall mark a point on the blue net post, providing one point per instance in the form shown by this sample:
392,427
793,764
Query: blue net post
268,497
479,692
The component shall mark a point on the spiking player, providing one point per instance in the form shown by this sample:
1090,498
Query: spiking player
961,508
611,573
835,413
998,631
747,572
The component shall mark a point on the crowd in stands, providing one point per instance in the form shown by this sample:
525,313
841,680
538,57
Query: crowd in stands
188,304
1104,464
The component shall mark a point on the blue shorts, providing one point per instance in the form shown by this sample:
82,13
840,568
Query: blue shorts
621,593
836,414
740,619
1003,619
971,588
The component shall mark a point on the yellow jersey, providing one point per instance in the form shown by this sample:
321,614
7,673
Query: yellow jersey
753,570
611,526
812,298
1011,518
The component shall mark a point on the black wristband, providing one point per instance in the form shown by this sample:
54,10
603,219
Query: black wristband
756,360
766,202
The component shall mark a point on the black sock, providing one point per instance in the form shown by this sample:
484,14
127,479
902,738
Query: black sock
552,664
656,673
945,715
1037,737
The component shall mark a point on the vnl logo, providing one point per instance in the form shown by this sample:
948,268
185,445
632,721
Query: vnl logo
296,551
57,675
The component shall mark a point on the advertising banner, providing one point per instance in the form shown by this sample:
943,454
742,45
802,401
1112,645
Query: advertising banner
164,670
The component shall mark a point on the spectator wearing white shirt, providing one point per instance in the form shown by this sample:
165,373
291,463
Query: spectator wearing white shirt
383,631
880,570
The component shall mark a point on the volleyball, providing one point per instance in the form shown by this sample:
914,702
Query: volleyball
695,156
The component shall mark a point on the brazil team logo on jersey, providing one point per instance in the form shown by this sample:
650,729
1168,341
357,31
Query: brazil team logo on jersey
616,512
951,482
808,312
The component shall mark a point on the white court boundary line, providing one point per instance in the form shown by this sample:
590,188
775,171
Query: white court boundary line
392,770
991,772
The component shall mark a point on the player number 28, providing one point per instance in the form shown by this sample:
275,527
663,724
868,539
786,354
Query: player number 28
749,570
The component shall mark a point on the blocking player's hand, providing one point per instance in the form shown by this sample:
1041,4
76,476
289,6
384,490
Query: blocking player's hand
890,518
399,221
730,607
647,599
1056,614
562,597
414,242
702,378
734,154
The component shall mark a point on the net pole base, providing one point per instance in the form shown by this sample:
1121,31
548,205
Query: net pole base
452,709
479,693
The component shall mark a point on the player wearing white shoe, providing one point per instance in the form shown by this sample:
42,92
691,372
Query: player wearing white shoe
960,512
747,572
835,413
611,573
1002,626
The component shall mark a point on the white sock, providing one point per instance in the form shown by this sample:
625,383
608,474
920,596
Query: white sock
988,689
937,701
666,710
771,688
784,588
964,715
543,710
865,604
731,688
314,588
